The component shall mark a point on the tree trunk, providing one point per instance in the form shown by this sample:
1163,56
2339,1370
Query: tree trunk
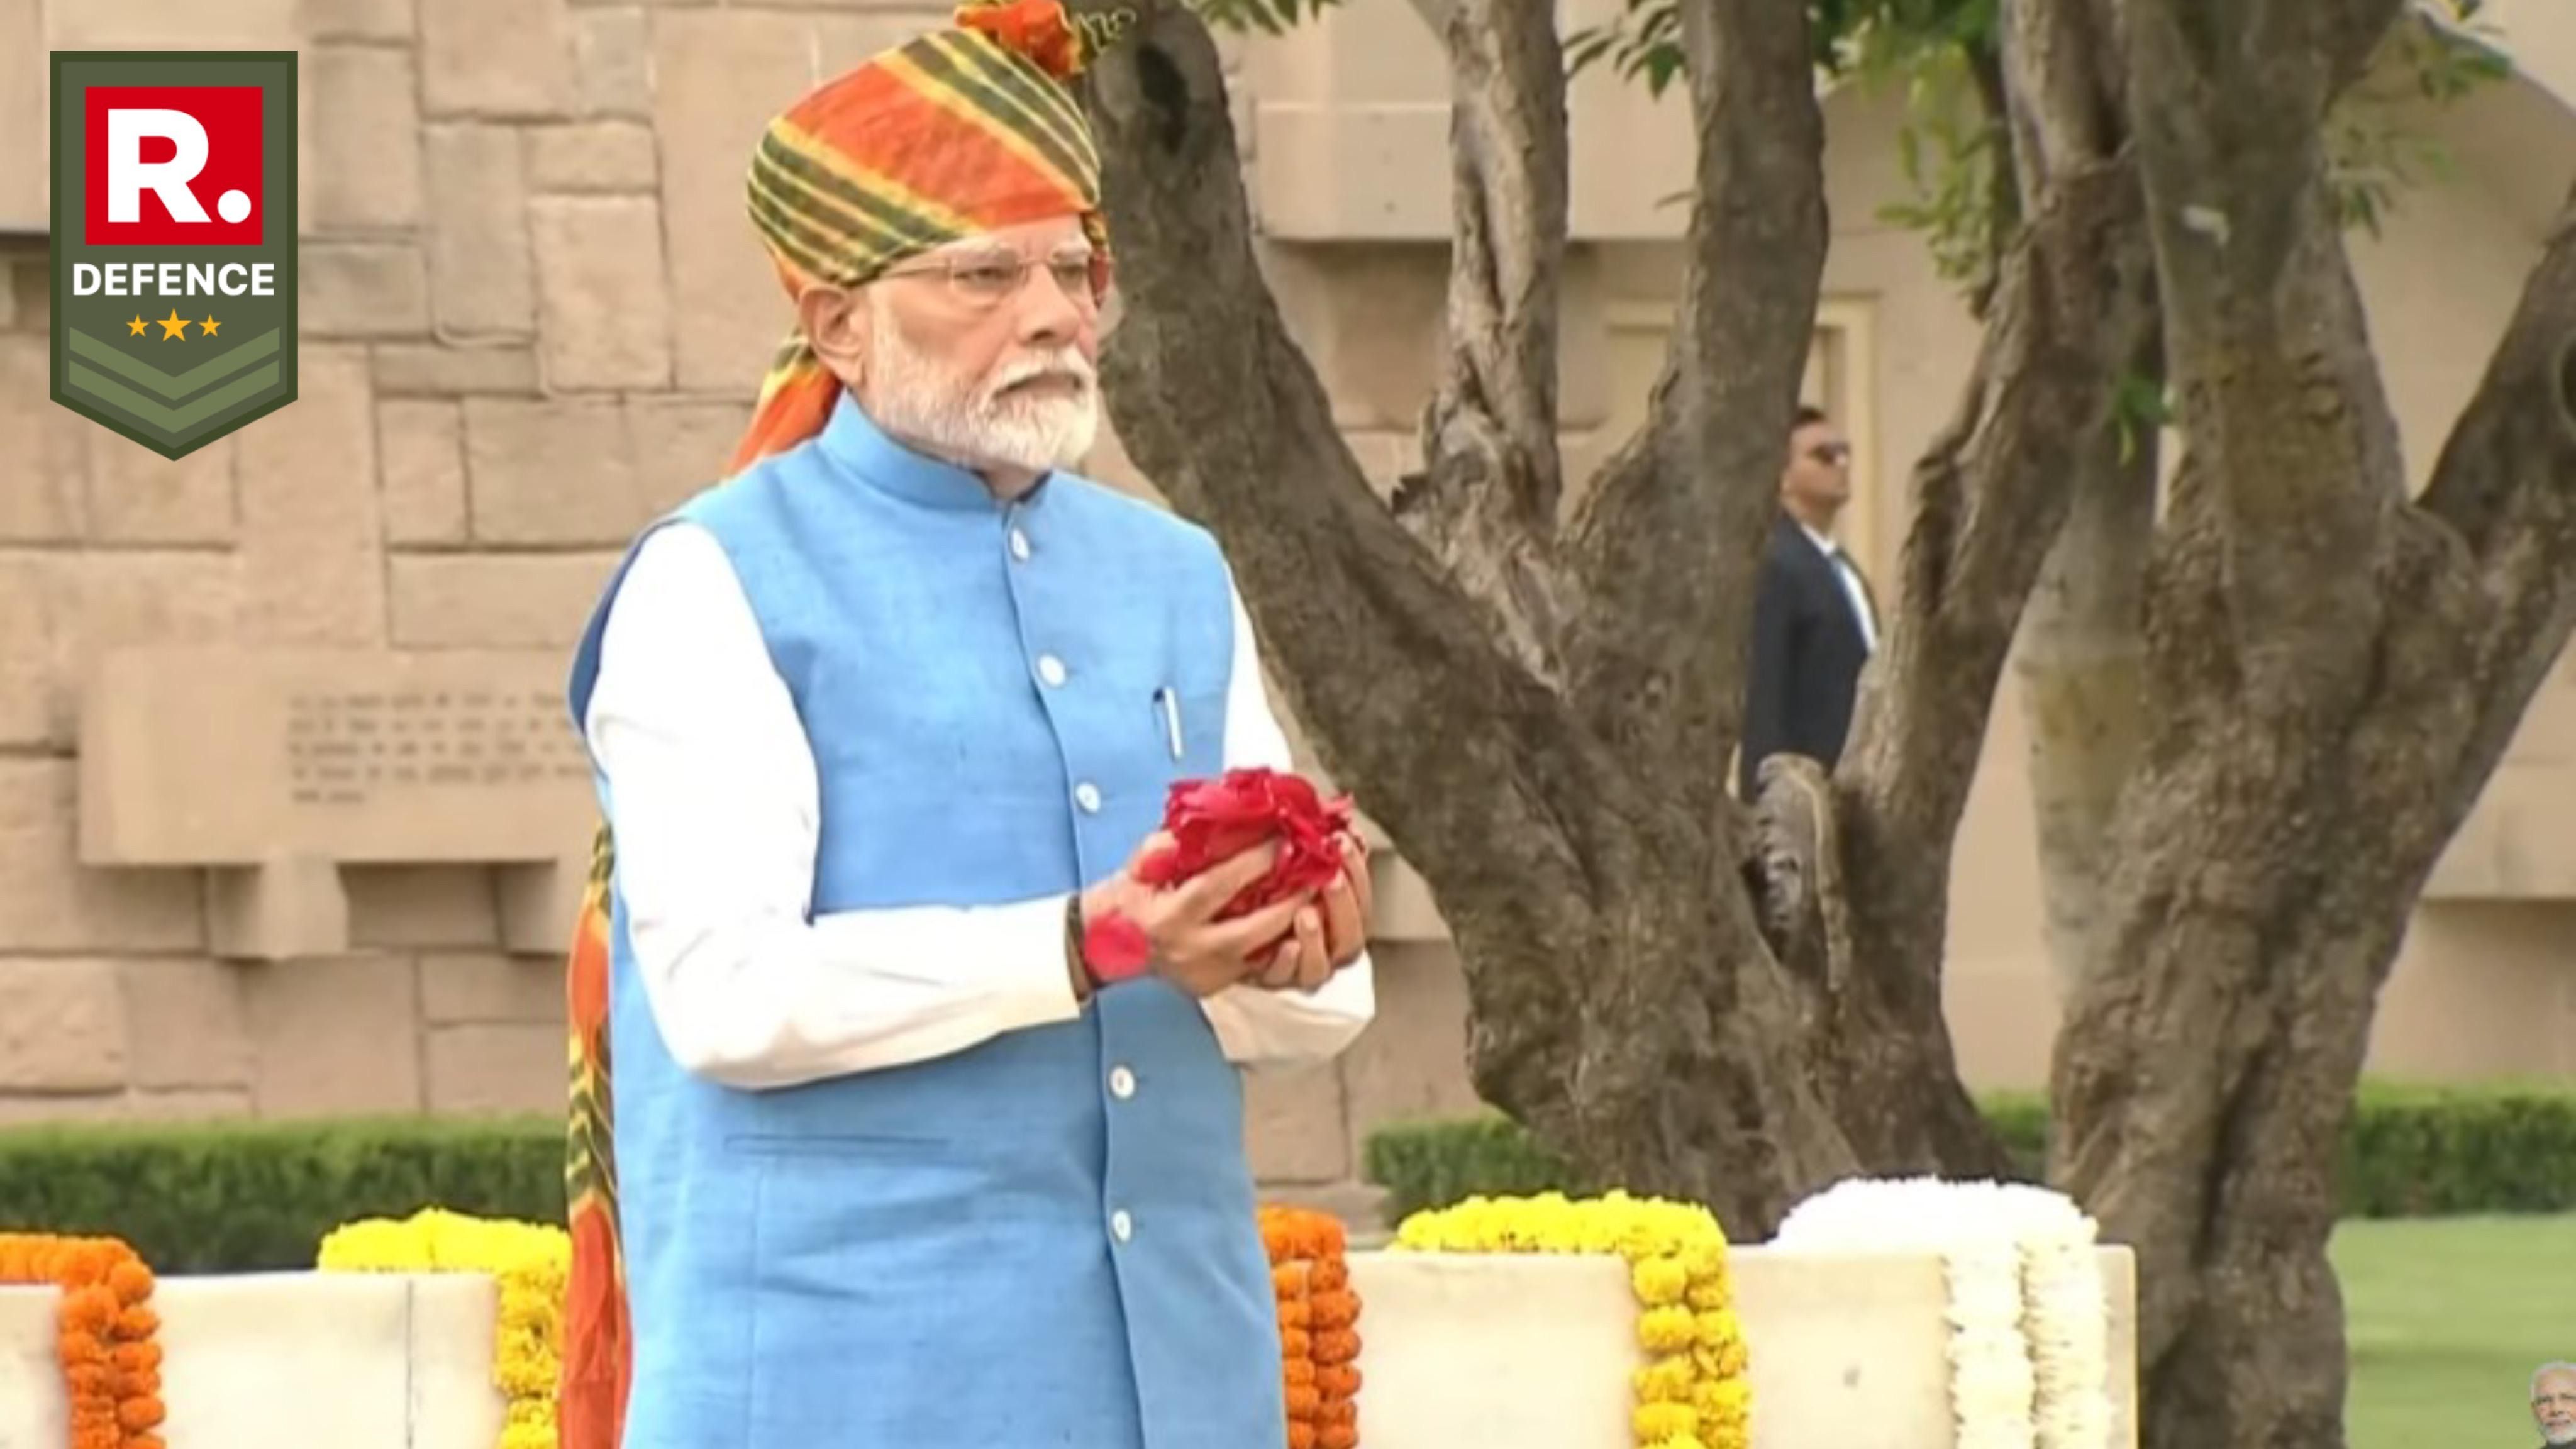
1739,1003
2083,648
2332,674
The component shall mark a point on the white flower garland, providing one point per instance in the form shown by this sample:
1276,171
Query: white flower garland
2029,1331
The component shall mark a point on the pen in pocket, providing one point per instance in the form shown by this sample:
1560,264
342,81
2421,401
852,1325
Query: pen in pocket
1171,703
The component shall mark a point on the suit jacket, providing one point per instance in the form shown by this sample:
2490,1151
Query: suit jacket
1808,650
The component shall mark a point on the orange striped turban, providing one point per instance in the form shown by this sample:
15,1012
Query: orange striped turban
958,132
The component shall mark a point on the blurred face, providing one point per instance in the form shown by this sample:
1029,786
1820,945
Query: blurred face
2553,1406
983,352
1815,482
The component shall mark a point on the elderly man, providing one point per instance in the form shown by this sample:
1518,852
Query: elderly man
2553,1404
881,725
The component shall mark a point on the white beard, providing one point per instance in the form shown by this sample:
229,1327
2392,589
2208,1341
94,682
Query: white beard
971,421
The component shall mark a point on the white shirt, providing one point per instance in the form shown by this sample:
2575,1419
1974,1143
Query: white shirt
1852,588
717,815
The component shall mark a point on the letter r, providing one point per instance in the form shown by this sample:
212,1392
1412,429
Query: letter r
129,175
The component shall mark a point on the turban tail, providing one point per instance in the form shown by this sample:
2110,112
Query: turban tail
951,135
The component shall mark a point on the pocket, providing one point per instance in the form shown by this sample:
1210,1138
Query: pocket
835,1144
1189,728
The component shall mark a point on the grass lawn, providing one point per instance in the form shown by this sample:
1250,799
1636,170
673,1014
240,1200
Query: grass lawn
2446,1319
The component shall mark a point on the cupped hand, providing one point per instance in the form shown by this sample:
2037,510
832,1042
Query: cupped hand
1187,945
1327,935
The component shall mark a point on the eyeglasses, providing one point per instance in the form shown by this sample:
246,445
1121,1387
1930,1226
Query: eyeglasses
1830,454
988,279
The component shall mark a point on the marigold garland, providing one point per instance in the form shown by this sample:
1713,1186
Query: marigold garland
1693,1393
1319,1314
529,1261
107,1333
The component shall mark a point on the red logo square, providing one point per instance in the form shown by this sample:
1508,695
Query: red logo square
173,166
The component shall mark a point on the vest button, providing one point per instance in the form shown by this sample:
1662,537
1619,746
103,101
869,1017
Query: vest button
1121,1226
1087,795
1122,1083
1020,545
1051,669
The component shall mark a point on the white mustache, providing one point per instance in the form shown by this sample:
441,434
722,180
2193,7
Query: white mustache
1066,366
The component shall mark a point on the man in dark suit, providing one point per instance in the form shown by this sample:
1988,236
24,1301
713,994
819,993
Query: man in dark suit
1814,623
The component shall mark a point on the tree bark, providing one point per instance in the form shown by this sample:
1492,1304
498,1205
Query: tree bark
2080,666
2074,302
2332,674
1590,887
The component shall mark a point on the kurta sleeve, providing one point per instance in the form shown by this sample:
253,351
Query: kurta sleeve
1261,1028
715,807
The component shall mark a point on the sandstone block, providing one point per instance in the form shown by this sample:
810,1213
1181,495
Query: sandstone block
312,531
109,598
366,138
30,286
65,1029
1293,1125
172,25
487,987
846,41
412,369
41,469
1411,1063
605,292
335,1037
496,1069
409,906
32,584
717,80
552,472
422,442
508,601
357,19
185,1023
681,447
41,1109
592,158
288,908
363,289
613,62
481,275
510,58
23,77
138,496
189,1104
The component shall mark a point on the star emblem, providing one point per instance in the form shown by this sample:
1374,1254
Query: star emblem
209,325
136,326
173,325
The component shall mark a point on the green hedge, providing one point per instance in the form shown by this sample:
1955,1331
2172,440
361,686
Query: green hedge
221,1198
231,1198
2409,1151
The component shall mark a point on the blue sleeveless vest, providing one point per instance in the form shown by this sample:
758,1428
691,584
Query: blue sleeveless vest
1047,1239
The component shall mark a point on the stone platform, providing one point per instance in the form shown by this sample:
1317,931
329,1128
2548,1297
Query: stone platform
1493,1352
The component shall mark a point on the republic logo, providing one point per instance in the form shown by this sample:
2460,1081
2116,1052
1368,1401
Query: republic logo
174,241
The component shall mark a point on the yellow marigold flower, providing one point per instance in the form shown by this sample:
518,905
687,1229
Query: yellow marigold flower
1667,1330
1662,1423
1660,1280
1676,1254
1665,1381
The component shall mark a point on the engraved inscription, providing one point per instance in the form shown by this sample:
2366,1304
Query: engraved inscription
353,747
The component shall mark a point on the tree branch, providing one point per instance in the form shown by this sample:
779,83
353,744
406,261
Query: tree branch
1487,498
2076,304
2294,470
1668,542
2505,486
1399,680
